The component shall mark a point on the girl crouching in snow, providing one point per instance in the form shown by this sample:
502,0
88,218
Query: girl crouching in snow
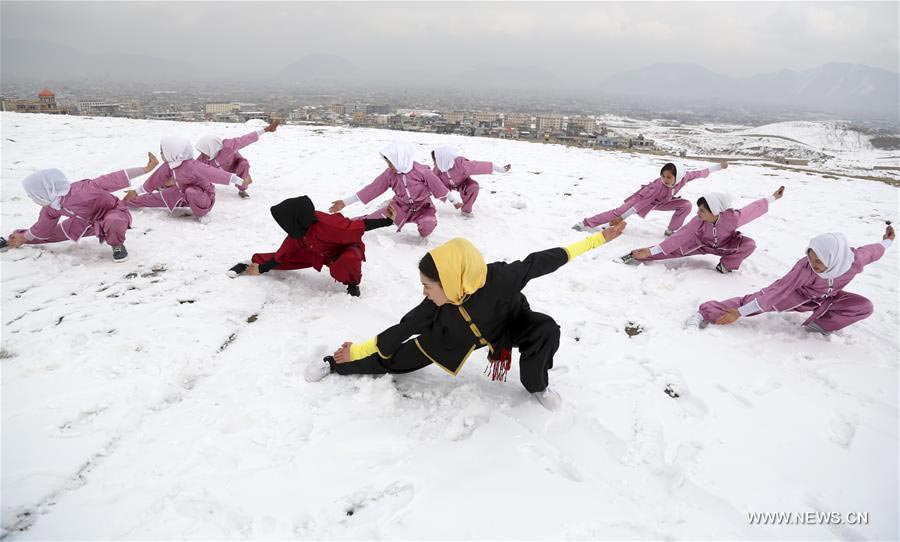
316,239
182,182
815,284
468,305
413,185
713,231
659,195
88,207
225,154
456,172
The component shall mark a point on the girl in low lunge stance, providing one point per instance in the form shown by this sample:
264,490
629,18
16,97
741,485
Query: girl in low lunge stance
182,181
88,207
316,239
413,185
469,304
659,195
456,172
225,153
712,231
815,284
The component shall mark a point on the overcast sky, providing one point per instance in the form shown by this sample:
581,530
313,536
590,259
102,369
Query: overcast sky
732,38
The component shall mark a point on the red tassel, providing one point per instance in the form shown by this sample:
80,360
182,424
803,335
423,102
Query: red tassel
499,367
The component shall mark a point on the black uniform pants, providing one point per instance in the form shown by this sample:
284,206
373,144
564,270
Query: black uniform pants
535,334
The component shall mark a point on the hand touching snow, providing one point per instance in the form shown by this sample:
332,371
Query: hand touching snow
730,316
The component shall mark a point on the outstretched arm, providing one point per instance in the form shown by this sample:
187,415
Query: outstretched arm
388,341
758,208
369,192
700,174
40,230
867,254
542,263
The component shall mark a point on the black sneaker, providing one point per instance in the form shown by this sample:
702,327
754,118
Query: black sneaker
629,259
119,254
353,289
722,269
238,269
243,194
3,243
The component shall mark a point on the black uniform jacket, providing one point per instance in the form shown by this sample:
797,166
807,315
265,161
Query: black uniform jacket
447,335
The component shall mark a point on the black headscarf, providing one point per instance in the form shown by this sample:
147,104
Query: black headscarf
295,215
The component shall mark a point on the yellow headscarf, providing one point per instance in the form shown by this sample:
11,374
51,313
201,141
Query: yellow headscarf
461,269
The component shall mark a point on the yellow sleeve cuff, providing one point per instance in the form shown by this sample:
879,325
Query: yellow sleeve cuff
363,350
588,243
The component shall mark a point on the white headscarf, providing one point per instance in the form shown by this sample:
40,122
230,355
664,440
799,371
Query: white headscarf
717,202
680,171
835,253
176,150
400,155
445,156
47,187
209,145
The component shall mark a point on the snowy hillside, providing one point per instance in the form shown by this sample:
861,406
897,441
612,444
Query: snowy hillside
831,147
160,399
826,136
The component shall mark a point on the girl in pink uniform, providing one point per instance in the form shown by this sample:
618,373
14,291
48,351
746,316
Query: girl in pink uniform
88,208
456,172
225,153
815,284
658,195
413,185
713,231
182,182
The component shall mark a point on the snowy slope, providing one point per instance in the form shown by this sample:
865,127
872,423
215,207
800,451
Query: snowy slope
831,147
160,399
827,136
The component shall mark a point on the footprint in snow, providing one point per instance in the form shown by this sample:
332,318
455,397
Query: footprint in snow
740,398
550,459
842,428
672,383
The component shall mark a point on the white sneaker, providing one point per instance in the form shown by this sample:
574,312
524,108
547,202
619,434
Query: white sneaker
205,219
467,215
695,321
317,370
548,399
580,227
181,212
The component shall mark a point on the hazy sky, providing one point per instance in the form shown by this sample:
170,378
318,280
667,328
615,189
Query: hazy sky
733,38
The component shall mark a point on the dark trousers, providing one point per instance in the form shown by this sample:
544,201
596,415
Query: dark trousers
406,359
536,335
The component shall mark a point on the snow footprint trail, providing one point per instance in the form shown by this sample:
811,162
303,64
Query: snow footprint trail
102,421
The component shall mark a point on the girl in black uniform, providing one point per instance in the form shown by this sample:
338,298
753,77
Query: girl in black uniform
469,304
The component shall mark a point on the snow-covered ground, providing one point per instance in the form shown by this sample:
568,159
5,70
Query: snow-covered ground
160,399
